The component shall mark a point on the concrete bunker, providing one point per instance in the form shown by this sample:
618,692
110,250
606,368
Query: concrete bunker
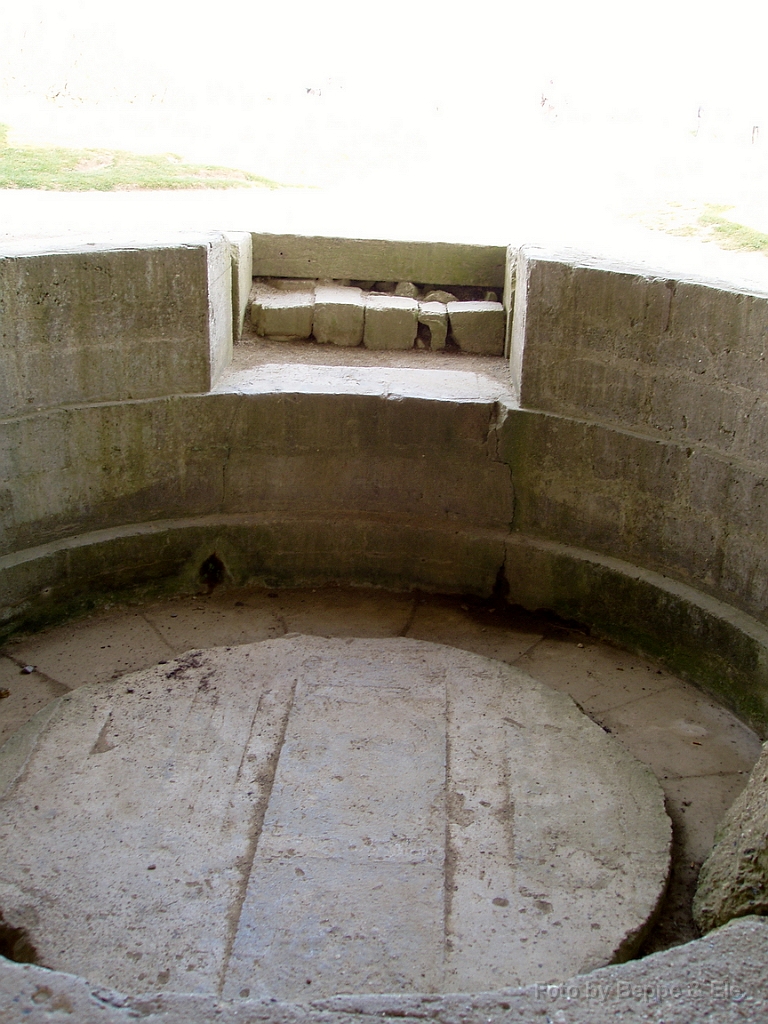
611,471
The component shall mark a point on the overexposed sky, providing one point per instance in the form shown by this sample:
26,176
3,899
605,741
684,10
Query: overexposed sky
604,57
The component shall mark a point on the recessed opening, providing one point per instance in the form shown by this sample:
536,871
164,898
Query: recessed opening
15,944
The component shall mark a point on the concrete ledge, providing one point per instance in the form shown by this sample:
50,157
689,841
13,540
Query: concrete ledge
714,645
710,643
720,978
48,583
363,259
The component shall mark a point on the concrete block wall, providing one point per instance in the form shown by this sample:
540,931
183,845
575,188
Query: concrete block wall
655,449
685,360
99,323
308,481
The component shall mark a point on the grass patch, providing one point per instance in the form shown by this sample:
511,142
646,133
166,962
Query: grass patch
107,170
729,234
707,222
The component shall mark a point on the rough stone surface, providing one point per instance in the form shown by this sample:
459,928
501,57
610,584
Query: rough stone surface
439,295
339,315
241,251
377,260
734,879
407,288
370,815
434,315
282,312
680,359
478,326
720,978
391,322
97,324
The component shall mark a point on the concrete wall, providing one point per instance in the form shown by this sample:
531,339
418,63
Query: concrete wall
659,446
364,259
587,500
100,324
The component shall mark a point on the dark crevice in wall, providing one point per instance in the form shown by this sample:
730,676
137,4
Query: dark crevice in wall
15,944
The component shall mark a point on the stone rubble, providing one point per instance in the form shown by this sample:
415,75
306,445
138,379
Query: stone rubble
734,879
380,315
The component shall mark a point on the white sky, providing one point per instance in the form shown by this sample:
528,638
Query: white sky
604,56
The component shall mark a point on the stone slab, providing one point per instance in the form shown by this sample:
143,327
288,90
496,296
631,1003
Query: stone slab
364,259
391,322
346,888
97,324
478,327
339,315
359,813
434,315
282,312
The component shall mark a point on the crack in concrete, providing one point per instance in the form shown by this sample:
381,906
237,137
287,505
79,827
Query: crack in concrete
257,823
155,629
21,663
409,619
450,856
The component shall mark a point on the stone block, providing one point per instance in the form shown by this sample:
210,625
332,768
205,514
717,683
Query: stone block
91,323
407,288
434,315
478,327
339,315
370,259
734,879
241,253
391,322
278,312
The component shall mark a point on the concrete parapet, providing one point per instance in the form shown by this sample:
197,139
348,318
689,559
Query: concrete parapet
681,359
97,323
363,259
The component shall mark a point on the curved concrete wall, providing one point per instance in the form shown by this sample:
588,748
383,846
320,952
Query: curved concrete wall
626,492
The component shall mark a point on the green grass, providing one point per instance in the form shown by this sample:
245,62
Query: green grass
729,234
106,170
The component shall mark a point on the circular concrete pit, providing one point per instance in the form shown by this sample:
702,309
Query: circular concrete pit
309,816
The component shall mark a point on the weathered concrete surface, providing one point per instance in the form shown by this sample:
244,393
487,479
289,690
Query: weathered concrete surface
371,815
339,315
478,326
434,315
720,978
363,259
391,322
734,879
678,359
241,251
242,452
98,324
688,512
282,312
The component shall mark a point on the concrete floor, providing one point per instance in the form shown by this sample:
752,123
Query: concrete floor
700,753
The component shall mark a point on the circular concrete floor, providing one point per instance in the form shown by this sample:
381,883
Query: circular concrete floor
342,815
699,752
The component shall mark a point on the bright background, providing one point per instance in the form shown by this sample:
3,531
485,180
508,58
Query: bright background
568,119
